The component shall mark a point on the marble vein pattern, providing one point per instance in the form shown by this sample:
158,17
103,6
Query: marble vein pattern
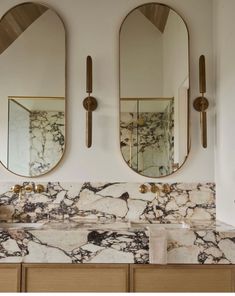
74,246
147,141
122,201
47,131
184,246
201,247
13,245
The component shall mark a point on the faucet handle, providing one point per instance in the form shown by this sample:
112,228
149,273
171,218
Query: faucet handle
143,188
166,188
39,188
28,188
16,188
154,188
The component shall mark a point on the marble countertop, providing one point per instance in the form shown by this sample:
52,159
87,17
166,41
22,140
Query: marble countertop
113,241
81,223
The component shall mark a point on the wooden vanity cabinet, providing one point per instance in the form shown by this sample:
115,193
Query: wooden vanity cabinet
75,278
116,278
182,278
10,277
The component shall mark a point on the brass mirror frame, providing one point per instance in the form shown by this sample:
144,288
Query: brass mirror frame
65,89
189,101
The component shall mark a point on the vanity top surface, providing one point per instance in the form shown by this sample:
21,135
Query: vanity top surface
93,241
194,225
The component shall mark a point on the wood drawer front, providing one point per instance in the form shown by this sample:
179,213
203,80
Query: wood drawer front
182,279
10,277
75,278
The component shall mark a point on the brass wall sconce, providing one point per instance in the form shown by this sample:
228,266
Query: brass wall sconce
89,103
201,104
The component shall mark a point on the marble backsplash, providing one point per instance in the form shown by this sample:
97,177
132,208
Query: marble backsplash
123,201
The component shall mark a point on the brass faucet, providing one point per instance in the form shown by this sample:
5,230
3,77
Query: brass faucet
20,189
165,188
17,189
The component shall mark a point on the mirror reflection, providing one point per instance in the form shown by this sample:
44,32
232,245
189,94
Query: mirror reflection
35,135
32,89
154,87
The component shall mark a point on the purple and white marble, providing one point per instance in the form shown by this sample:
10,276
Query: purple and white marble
123,201
213,244
47,132
147,141
108,204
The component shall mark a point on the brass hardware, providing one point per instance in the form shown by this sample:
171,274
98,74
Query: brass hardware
202,74
166,188
28,188
201,104
175,166
89,74
39,188
143,188
16,188
89,103
154,188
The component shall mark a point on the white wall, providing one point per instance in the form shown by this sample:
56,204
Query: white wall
93,28
224,21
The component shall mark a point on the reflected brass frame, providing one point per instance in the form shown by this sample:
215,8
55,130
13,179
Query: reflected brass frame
189,76
65,88
147,99
35,97
17,103
13,99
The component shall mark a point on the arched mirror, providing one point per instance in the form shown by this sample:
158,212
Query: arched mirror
154,90
32,89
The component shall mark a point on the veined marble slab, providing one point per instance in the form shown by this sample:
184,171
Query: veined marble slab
194,201
74,246
209,244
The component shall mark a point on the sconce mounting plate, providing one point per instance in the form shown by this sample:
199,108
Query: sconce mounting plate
90,103
200,104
